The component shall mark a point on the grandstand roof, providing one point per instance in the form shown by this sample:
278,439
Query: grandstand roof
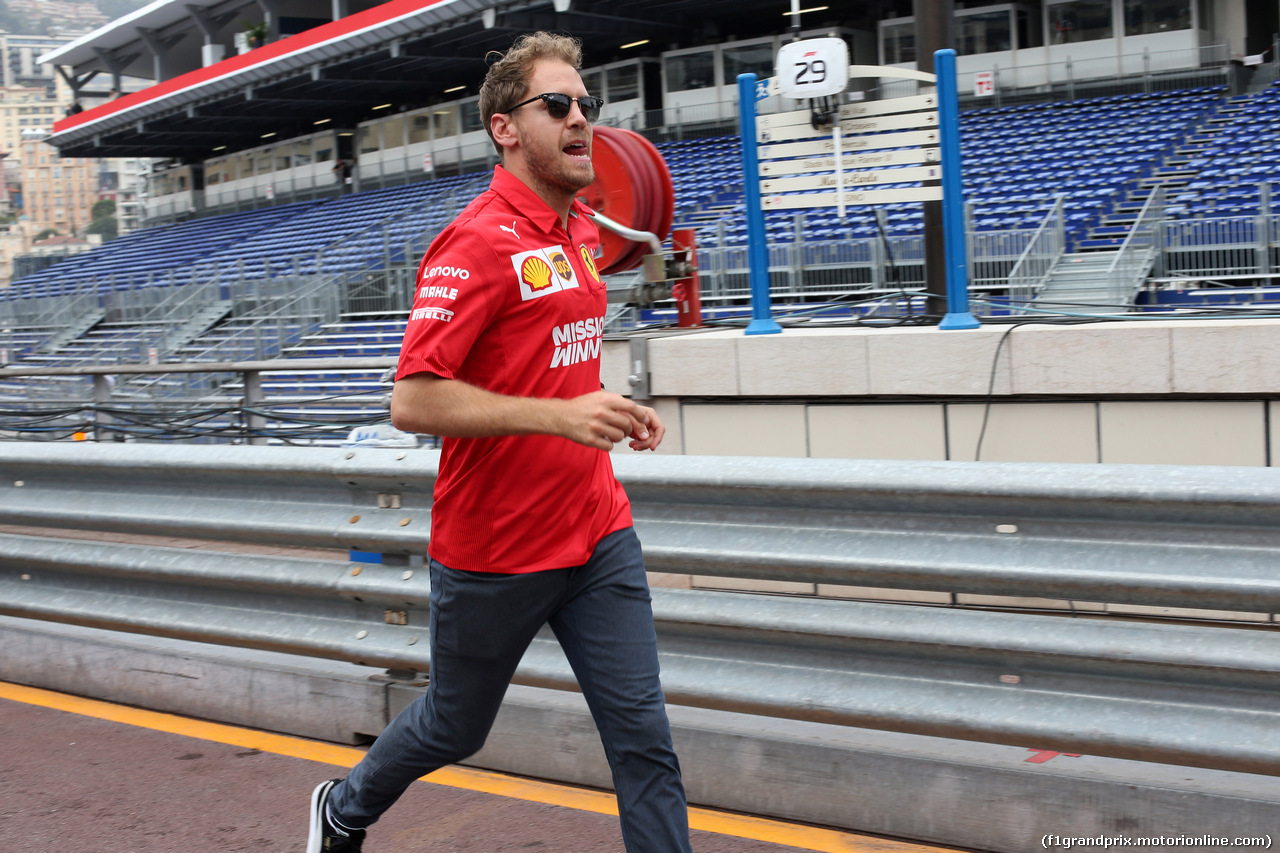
405,52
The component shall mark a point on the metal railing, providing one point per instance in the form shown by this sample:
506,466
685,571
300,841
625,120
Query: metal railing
1117,74
1226,246
993,255
1008,263
233,402
1139,251
48,311
1191,694
256,285
1043,251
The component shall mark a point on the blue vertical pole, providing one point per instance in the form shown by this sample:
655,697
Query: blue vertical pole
762,322
958,315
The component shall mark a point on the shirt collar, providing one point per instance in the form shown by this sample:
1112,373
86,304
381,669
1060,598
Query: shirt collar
528,203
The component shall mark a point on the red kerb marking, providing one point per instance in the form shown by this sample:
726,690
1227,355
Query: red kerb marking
1043,755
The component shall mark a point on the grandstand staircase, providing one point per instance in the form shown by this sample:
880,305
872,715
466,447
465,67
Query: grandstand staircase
1079,284
199,323
1179,170
76,328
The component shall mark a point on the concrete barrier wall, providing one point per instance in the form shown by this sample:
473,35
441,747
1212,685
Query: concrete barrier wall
1160,392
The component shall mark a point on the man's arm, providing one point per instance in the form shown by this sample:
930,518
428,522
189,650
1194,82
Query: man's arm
434,405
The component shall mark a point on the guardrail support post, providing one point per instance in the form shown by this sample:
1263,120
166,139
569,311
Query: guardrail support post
639,376
255,424
101,397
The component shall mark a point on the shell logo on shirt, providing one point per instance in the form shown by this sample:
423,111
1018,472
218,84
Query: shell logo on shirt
542,272
535,273
590,263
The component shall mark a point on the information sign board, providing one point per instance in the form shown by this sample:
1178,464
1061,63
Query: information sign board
874,142
813,68
809,200
767,132
872,160
863,178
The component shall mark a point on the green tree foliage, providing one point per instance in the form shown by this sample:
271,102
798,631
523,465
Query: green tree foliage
106,226
45,234
104,222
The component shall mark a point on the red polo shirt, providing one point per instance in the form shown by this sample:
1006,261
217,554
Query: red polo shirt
510,301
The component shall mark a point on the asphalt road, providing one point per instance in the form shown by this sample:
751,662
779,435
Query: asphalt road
84,777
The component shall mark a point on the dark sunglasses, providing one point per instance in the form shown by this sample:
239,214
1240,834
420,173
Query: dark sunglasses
559,104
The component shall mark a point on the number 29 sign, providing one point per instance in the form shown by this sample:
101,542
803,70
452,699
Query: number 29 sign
813,68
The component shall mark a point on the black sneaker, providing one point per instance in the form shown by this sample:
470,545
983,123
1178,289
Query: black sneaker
324,837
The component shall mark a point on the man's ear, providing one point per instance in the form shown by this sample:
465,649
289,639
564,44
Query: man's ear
504,132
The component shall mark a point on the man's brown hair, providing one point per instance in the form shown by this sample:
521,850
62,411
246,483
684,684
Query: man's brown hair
508,78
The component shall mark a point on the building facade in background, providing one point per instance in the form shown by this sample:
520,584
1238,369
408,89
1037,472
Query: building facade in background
24,109
57,192
20,68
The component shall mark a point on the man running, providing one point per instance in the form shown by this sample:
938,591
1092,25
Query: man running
501,357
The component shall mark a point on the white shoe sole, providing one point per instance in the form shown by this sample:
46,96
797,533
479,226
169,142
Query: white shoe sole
315,835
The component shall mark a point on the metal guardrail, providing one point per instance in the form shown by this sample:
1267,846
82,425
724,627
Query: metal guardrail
1199,695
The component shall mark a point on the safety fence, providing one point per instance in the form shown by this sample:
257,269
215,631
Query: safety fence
270,302
1229,246
1191,694
304,401
1041,255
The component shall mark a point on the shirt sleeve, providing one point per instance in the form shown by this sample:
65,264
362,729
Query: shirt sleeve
456,298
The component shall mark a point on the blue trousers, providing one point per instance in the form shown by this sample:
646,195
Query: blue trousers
481,625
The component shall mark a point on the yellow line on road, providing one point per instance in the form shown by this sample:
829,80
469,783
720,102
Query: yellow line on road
484,781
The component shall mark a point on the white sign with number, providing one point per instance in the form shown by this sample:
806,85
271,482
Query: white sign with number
813,68
984,84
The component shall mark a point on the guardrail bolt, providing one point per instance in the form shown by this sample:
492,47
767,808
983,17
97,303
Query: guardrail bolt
360,635
19,483
396,617
1006,528
406,575
1011,679
357,570
354,519
404,522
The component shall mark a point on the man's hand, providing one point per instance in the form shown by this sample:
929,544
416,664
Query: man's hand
602,419
651,435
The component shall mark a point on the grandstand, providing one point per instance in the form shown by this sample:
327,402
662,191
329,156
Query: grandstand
269,253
